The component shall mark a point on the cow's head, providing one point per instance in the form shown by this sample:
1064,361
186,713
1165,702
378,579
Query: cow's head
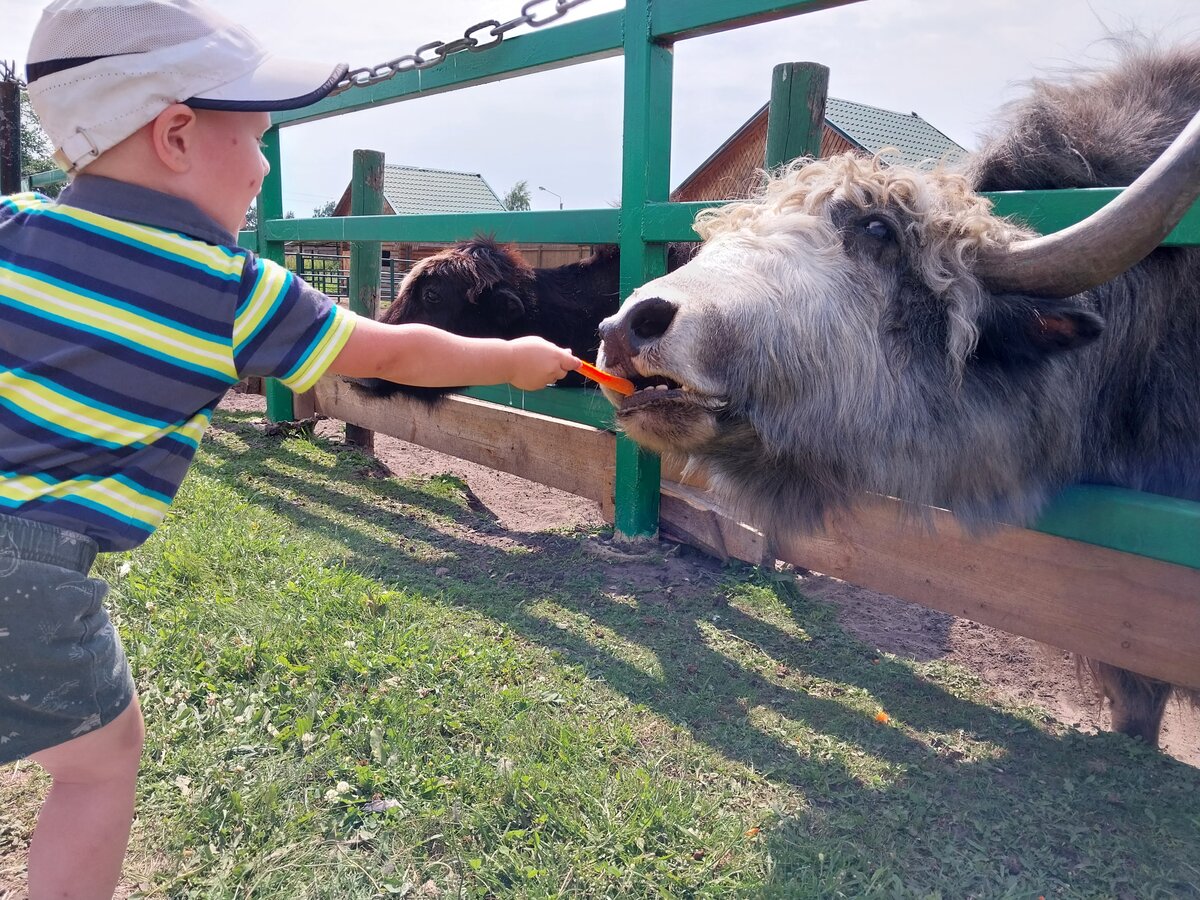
477,288
858,328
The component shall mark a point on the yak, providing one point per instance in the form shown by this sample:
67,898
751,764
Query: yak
856,327
480,288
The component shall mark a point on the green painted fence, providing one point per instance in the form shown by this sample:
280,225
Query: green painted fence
643,33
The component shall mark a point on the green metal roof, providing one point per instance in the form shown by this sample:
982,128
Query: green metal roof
412,190
915,141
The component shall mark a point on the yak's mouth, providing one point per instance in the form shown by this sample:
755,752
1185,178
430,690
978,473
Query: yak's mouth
662,390
664,413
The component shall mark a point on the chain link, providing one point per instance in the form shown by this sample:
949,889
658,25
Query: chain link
429,55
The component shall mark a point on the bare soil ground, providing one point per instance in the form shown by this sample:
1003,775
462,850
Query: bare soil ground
1016,669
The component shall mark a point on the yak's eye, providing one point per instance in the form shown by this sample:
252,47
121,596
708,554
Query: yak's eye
430,296
878,229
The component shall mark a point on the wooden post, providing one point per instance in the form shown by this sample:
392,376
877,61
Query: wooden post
796,116
366,199
10,132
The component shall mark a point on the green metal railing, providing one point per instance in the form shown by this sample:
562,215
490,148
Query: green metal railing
643,34
42,179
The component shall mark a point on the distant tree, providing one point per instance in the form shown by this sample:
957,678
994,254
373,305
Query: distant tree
518,196
250,223
325,209
36,153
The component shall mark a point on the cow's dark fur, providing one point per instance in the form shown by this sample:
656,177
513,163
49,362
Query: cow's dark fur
831,336
479,288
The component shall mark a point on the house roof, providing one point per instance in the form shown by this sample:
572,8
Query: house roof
409,190
870,129
873,129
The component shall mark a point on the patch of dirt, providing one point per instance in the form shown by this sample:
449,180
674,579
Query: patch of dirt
1016,669
18,784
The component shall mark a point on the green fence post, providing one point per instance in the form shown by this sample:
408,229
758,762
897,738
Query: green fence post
796,116
366,199
280,406
645,177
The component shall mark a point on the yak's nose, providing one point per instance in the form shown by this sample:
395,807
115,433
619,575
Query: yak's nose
626,334
648,321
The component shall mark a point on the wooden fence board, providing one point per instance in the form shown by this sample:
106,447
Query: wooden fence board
574,458
1131,611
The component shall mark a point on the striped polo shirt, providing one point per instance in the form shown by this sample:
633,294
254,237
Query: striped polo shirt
125,315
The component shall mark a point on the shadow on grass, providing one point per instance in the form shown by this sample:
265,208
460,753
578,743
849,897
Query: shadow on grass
974,797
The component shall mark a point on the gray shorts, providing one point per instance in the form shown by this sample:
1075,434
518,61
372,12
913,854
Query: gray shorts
63,671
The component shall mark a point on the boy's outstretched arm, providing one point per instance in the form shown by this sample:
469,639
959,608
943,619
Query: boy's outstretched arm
429,357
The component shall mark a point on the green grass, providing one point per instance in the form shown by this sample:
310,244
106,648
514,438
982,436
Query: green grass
361,687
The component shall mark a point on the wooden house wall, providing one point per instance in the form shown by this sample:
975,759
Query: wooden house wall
734,172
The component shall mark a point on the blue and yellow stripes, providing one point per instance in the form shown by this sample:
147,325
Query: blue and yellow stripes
113,320
327,344
117,340
219,261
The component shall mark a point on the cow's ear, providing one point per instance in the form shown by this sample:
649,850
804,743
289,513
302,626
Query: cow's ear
508,306
1018,329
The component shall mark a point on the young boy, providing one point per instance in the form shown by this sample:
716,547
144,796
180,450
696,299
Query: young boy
126,312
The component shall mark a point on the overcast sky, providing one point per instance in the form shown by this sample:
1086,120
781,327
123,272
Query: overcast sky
953,62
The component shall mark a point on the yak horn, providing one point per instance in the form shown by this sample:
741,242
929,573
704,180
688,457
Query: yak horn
1110,240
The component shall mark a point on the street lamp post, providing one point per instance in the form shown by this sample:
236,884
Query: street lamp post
540,188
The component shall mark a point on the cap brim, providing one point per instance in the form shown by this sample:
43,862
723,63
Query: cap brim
277,84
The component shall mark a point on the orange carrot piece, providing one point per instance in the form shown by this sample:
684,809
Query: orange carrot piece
612,382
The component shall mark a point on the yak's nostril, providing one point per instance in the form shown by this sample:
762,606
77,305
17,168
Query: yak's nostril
651,318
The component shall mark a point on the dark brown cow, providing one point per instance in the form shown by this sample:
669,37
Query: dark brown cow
479,288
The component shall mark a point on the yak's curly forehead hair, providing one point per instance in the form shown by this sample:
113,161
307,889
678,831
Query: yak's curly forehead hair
945,224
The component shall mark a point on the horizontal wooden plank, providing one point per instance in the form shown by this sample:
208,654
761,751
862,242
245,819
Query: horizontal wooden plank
1133,612
690,515
1162,528
1128,610
574,458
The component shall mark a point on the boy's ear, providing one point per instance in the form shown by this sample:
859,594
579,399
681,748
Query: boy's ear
172,133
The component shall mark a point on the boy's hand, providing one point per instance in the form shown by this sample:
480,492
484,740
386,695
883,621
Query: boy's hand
537,362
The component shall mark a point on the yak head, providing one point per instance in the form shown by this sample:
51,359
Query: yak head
476,288
864,328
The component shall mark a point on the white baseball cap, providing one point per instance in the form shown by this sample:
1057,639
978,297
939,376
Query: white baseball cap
98,70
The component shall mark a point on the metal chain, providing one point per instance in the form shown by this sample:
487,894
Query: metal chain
429,55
